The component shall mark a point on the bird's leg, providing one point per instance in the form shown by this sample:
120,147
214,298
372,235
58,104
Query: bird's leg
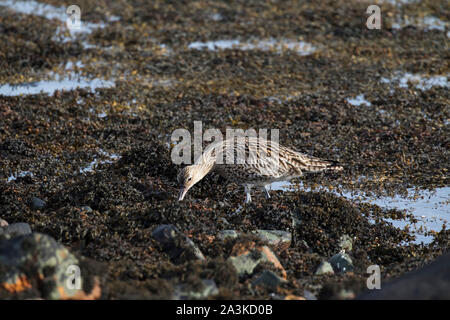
248,198
266,192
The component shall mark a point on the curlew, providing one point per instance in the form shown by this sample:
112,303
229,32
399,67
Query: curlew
251,162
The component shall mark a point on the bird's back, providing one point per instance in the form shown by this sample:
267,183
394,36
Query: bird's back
259,161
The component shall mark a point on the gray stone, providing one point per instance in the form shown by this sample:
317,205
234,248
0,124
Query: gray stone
16,229
269,280
324,268
87,209
40,259
37,204
346,243
244,264
279,240
341,262
177,245
227,234
430,282
185,292
3,223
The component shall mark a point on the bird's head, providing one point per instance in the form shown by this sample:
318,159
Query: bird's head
187,177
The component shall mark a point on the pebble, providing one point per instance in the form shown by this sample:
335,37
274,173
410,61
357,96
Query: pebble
3,223
277,239
341,262
269,280
247,257
324,268
309,295
184,292
37,204
87,209
177,245
345,243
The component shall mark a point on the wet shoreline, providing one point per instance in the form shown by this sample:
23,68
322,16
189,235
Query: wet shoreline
86,120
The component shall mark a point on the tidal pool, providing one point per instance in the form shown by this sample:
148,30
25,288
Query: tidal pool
50,86
107,158
358,100
419,81
299,47
430,208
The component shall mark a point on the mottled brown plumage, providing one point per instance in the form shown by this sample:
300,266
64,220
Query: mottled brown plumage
251,162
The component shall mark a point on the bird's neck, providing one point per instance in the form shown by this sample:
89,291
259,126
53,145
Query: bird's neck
202,169
204,165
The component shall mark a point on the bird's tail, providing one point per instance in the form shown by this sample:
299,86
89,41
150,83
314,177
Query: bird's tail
318,165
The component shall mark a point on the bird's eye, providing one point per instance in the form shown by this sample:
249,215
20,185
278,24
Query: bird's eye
189,179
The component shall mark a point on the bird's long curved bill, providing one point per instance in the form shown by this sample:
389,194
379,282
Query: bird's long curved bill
182,194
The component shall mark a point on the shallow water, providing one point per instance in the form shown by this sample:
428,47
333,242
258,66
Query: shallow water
430,208
50,86
51,12
358,100
427,23
419,81
300,47
110,158
57,13
20,174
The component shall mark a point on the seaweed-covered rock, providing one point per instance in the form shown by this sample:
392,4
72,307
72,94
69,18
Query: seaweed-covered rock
3,223
346,243
37,262
178,246
15,229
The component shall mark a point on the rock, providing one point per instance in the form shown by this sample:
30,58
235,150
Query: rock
308,295
87,209
277,239
3,223
37,262
430,282
227,234
177,245
324,268
269,256
185,292
246,257
37,204
269,280
244,264
16,229
345,243
341,262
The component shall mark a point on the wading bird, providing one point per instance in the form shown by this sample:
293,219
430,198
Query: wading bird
251,162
